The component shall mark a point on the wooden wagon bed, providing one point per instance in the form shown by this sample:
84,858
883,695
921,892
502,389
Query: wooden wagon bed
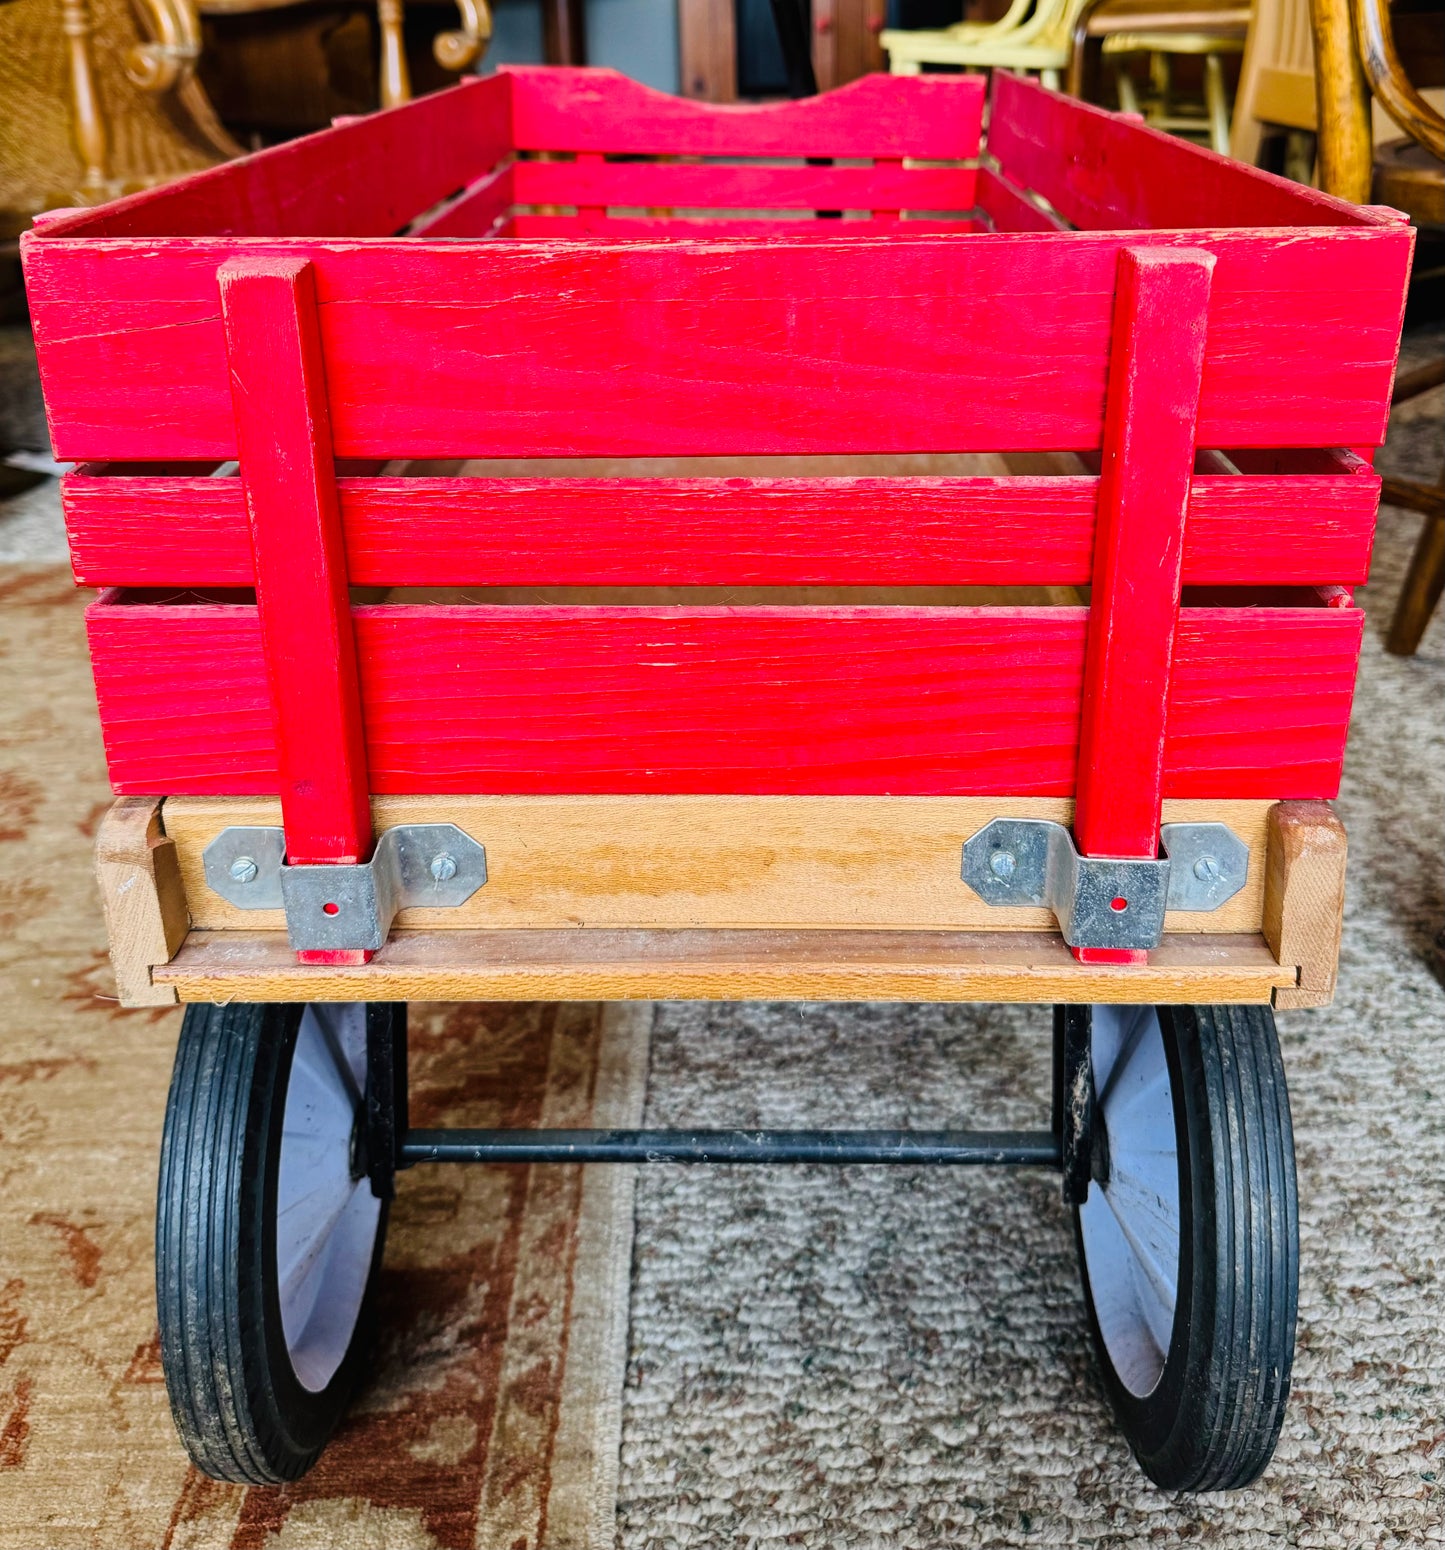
762,788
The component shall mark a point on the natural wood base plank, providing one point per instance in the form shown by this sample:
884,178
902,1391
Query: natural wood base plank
659,862
144,901
724,966
1304,899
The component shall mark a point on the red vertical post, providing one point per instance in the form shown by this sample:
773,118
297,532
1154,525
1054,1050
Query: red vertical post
283,435
1156,361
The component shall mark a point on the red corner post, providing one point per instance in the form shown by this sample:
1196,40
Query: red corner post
1156,361
283,436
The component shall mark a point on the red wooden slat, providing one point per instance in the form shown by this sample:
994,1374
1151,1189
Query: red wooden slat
1103,172
279,385
364,178
712,187
909,701
1148,458
1004,203
475,213
674,228
910,344
1302,460
722,532
935,118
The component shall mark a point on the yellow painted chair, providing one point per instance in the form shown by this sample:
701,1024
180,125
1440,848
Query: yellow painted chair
1163,30
1033,36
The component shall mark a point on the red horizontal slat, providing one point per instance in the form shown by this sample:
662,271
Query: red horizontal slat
708,187
1007,207
913,344
692,228
902,701
933,117
721,532
475,213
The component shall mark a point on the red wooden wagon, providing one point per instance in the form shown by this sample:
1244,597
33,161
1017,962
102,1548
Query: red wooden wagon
338,794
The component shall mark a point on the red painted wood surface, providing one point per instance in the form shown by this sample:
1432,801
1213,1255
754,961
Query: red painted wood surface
707,186
1104,172
1156,363
486,336
367,177
456,349
1007,207
279,386
934,118
684,227
479,208
1269,530
1148,457
933,701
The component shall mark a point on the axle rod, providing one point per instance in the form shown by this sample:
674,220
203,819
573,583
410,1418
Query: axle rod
1020,1148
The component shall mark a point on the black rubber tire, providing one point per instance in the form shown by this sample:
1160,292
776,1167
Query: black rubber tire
1213,1419
236,1401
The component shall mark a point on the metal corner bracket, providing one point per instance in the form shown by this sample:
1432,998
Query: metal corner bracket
1101,901
350,906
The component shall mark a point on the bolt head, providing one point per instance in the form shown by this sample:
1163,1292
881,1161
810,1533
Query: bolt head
443,867
1003,864
1207,869
244,869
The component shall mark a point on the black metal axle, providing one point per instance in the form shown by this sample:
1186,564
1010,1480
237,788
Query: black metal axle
1019,1148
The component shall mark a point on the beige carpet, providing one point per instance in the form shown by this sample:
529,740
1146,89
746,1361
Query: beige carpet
897,1359
493,1414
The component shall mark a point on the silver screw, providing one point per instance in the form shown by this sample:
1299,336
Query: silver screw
1207,870
443,867
244,869
1002,864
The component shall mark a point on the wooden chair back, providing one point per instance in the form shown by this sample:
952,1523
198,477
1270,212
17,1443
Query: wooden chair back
1355,47
1276,76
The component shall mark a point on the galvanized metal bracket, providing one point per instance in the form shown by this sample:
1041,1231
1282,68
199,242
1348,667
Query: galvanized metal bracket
348,907
1100,901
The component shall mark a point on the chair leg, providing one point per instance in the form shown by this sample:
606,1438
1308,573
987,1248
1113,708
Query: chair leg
1050,78
1128,96
1424,582
1216,100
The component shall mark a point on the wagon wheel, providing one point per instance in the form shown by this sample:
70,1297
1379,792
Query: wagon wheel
1188,1237
268,1235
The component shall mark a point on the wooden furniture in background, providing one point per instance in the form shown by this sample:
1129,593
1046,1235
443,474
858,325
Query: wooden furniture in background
847,40
277,67
1277,89
845,45
1036,39
564,32
1163,30
1277,86
97,100
707,46
1355,47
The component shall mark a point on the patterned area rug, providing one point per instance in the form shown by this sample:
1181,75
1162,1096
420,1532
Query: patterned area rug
492,1415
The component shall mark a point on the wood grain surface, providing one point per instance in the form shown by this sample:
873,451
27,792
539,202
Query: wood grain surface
180,531
913,344
840,863
1304,899
822,701
143,897
726,966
